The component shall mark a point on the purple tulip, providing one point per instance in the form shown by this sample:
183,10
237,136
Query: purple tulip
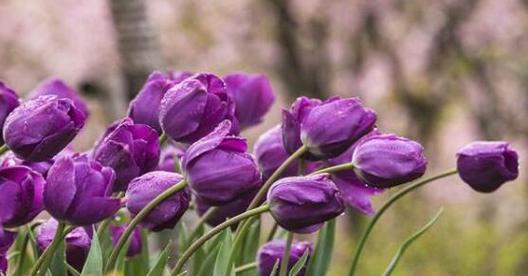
384,161
485,166
40,128
219,169
304,201
10,160
270,153
130,149
59,88
253,97
79,190
135,245
145,188
292,120
78,242
145,107
8,102
228,210
273,251
7,238
194,107
21,192
170,158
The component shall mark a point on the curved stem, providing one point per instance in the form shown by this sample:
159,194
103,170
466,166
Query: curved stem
3,149
163,138
246,267
336,168
139,217
386,205
199,242
49,251
199,224
286,256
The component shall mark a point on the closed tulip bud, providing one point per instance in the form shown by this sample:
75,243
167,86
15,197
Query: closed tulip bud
135,244
145,107
485,166
273,251
130,149
142,190
170,158
219,169
291,123
21,192
194,107
9,160
60,89
303,201
270,153
384,161
228,210
77,245
7,238
333,126
253,97
8,102
78,191
40,128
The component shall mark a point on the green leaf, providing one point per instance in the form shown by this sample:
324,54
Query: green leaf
199,256
94,261
57,266
250,247
139,264
212,247
159,266
394,262
275,268
223,266
299,264
72,270
121,262
320,261
183,235
21,261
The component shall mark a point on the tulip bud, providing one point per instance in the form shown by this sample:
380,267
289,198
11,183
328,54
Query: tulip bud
143,189
218,168
145,107
194,107
40,128
303,201
270,153
170,158
78,242
273,251
291,123
21,192
228,210
10,160
384,161
253,97
59,88
79,190
485,166
8,102
130,149
135,244
7,238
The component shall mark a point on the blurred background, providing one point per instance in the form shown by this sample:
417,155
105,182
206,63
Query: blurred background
440,72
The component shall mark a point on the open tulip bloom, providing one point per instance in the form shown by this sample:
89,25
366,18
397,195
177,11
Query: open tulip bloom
180,154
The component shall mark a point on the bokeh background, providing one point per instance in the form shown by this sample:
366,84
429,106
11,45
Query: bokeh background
441,72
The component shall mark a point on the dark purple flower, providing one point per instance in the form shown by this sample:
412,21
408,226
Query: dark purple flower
273,251
21,192
384,161
79,190
8,102
194,107
145,188
170,158
135,244
292,120
485,166
40,128
59,88
253,97
219,169
270,153
78,242
7,238
228,210
145,107
130,149
10,160
303,201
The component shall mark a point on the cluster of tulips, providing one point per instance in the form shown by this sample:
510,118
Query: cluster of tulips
179,149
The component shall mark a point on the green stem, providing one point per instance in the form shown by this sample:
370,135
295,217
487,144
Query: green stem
3,149
336,168
385,207
286,256
139,217
41,262
163,138
272,232
199,224
246,267
199,242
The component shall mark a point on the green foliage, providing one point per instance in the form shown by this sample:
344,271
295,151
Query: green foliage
299,264
320,261
94,261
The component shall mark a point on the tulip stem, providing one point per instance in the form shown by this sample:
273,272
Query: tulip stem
272,232
48,252
139,217
199,242
336,168
286,256
163,138
3,149
246,267
199,224
385,207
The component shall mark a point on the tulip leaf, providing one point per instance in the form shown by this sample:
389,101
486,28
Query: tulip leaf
94,261
275,268
72,270
200,254
57,266
120,264
21,262
250,247
223,266
139,264
394,262
298,266
159,265
212,247
320,261
183,235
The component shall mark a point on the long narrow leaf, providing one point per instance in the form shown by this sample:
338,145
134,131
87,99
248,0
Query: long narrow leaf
159,266
94,261
394,262
297,267
223,266
275,268
320,261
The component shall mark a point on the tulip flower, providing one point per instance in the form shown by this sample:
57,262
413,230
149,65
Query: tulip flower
291,122
270,153
170,158
59,88
8,102
272,251
10,160
135,244
7,238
